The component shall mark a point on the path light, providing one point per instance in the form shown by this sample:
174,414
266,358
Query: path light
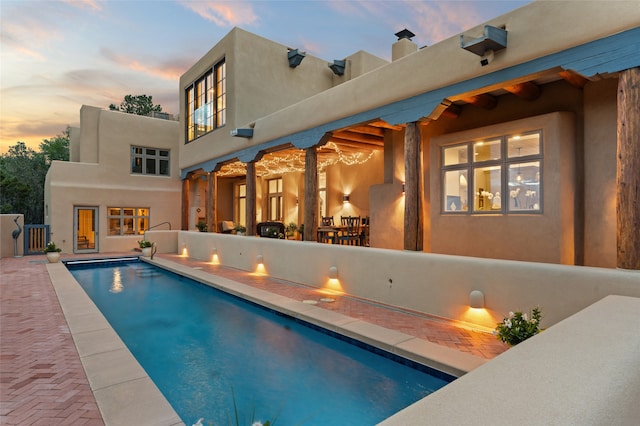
260,259
333,273
214,256
476,299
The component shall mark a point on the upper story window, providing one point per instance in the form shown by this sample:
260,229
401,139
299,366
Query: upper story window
497,175
206,102
150,161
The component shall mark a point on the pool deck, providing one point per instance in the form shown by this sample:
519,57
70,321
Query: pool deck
43,381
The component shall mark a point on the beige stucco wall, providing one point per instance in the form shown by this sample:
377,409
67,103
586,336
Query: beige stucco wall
7,226
546,237
600,140
109,182
430,283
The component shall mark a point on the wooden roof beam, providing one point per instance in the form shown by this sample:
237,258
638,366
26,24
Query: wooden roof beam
527,90
483,100
357,137
574,79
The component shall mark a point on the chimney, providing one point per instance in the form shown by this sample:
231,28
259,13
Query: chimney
404,46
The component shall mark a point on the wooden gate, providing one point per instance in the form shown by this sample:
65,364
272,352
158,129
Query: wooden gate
36,238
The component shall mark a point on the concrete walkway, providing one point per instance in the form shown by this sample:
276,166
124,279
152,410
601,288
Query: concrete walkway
42,381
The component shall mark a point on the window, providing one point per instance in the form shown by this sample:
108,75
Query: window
322,193
127,220
499,175
149,161
241,204
275,199
206,102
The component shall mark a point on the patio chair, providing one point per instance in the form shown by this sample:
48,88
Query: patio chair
351,230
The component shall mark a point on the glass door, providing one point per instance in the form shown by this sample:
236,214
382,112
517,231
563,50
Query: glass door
86,236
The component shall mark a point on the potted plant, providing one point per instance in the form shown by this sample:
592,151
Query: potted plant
518,327
146,247
240,229
301,231
202,226
291,229
53,252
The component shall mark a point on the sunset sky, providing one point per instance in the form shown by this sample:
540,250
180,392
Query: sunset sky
56,56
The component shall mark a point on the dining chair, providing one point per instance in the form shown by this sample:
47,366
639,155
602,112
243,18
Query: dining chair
351,233
327,221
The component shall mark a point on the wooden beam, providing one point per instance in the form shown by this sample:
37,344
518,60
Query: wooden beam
628,170
210,213
527,90
358,137
367,130
413,188
311,194
185,202
483,100
574,79
383,124
351,142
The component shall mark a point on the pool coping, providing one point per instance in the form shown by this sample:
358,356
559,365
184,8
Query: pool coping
125,394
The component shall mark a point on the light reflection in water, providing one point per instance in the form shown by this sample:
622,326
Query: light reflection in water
116,284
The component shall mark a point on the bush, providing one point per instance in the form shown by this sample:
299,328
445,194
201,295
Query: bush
517,327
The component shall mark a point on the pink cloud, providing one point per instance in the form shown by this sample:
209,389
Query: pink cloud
223,13
170,70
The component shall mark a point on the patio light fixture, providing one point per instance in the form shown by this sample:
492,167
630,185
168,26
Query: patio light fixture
476,299
346,198
333,272
260,259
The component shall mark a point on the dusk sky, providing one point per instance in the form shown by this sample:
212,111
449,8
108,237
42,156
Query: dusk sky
56,56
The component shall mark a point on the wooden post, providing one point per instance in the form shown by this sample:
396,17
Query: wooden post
412,188
311,194
628,170
251,198
212,195
185,203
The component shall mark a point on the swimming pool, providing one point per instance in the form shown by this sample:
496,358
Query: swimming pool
209,352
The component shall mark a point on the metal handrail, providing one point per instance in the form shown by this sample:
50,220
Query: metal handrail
144,234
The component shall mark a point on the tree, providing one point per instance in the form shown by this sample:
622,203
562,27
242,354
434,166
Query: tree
22,175
139,105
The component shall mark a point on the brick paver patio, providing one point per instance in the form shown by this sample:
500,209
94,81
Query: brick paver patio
42,381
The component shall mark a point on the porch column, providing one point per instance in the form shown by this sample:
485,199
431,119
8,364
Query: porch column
185,203
413,221
311,194
212,195
251,198
628,170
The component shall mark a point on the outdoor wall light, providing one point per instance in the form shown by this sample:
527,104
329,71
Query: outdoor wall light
333,272
260,259
295,57
346,198
338,66
476,299
214,251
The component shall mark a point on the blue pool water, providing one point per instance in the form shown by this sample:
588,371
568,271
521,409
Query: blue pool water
209,352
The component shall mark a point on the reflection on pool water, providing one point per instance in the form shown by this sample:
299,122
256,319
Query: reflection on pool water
213,355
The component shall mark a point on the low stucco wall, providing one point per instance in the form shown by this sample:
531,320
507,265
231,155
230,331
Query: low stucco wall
584,370
430,283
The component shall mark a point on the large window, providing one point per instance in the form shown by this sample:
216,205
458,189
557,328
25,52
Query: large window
149,161
241,204
127,220
499,175
206,102
322,193
275,199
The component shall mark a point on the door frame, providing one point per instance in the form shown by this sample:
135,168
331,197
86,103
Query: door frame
96,211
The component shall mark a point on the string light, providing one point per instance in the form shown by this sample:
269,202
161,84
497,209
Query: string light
293,160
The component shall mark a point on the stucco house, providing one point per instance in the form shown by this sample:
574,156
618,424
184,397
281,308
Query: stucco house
502,142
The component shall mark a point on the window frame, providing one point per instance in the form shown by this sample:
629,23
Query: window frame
140,218
206,103
276,197
505,163
144,155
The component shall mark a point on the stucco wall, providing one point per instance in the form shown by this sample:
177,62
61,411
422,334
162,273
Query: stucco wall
600,140
431,283
109,182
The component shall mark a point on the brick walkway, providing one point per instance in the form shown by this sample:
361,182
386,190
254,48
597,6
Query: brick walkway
42,381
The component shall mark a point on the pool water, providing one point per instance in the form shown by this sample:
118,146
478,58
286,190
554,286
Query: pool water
215,356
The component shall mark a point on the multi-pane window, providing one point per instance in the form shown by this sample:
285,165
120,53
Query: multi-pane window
275,199
206,102
127,220
322,193
241,204
150,161
499,174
